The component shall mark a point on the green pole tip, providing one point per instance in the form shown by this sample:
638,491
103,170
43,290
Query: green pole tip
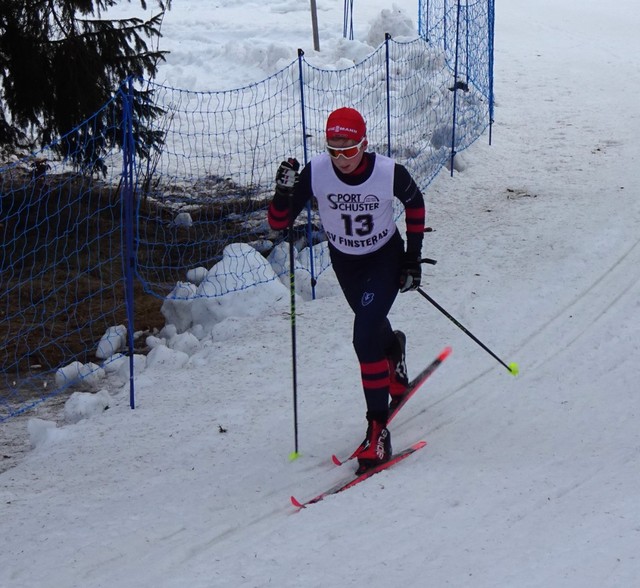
293,456
514,368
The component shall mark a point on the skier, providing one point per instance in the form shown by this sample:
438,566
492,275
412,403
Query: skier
355,192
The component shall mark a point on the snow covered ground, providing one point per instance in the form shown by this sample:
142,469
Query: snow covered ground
525,482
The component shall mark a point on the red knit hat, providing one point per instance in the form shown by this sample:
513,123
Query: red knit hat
346,123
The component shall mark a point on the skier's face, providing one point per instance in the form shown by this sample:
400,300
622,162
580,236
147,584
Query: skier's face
346,154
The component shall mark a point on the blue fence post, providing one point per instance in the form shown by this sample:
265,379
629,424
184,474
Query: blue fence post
302,106
422,25
466,41
387,36
306,160
444,26
491,15
455,89
128,202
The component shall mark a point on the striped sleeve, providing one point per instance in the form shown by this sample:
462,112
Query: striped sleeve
278,217
407,191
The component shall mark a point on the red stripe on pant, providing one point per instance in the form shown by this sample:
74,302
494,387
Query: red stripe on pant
375,382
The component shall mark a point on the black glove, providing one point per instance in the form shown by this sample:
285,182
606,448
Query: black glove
287,177
410,272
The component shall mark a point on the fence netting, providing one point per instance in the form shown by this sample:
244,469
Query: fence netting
168,212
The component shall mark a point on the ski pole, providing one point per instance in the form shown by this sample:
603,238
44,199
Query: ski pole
512,367
292,290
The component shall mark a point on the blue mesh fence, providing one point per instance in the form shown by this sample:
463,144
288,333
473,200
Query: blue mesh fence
61,280
65,228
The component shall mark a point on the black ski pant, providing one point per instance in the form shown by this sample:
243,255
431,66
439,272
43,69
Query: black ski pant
370,285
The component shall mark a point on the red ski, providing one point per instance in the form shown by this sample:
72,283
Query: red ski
412,388
370,472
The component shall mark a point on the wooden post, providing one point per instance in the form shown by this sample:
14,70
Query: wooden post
314,24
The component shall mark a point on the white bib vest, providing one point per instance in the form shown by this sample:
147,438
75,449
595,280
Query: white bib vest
357,219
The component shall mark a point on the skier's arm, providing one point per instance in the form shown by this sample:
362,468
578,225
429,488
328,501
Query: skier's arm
407,191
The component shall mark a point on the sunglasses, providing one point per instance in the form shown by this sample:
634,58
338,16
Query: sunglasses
346,152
